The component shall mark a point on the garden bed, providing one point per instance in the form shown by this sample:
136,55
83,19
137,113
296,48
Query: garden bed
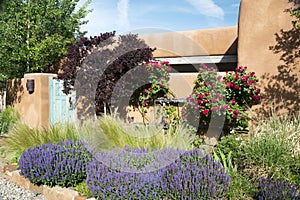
55,193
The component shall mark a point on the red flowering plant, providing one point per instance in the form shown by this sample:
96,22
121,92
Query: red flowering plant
207,98
241,94
158,73
230,96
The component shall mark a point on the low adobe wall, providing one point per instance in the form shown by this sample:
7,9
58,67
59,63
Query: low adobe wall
33,108
269,45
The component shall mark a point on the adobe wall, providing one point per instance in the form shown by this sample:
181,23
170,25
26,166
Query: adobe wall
217,41
269,45
181,86
33,108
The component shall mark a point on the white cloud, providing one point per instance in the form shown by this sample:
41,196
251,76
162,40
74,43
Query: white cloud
235,5
107,15
208,8
123,7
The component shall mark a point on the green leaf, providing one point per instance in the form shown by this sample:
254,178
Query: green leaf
35,34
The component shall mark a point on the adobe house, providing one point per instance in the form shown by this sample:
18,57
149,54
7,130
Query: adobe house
264,40
186,50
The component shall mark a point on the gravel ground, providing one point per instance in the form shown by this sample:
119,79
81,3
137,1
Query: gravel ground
11,191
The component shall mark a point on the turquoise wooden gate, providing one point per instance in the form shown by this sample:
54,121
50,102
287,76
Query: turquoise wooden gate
62,106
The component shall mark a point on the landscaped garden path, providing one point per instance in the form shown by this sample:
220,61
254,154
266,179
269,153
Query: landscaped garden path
11,191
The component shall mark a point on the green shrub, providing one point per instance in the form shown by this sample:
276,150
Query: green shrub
233,144
111,132
270,156
241,187
22,137
287,126
273,151
83,189
8,118
226,161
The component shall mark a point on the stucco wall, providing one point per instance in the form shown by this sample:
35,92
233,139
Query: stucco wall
181,86
218,41
269,45
33,108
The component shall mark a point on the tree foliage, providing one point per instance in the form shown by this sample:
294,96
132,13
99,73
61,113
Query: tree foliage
104,68
76,55
34,34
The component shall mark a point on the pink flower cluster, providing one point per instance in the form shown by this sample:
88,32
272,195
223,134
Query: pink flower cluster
158,73
240,91
159,65
205,98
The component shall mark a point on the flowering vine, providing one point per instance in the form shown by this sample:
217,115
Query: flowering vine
158,73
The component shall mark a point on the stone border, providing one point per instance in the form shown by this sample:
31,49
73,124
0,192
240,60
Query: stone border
54,193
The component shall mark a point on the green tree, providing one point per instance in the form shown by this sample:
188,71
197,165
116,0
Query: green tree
35,34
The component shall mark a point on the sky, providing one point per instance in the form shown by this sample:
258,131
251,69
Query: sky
149,16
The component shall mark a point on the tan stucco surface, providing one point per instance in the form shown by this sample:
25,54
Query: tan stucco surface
181,84
269,45
218,41
33,108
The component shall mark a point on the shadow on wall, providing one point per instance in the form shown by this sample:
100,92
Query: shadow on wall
283,87
14,89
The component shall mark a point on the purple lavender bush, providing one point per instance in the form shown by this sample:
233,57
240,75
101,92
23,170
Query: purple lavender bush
195,175
139,160
269,189
129,173
107,183
63,164
166,173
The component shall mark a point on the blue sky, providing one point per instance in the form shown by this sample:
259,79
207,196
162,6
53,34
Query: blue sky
165,15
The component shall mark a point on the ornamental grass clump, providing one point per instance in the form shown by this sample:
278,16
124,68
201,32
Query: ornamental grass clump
273,150
22,137
110,132
269,189
49,164
160,174
8,118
